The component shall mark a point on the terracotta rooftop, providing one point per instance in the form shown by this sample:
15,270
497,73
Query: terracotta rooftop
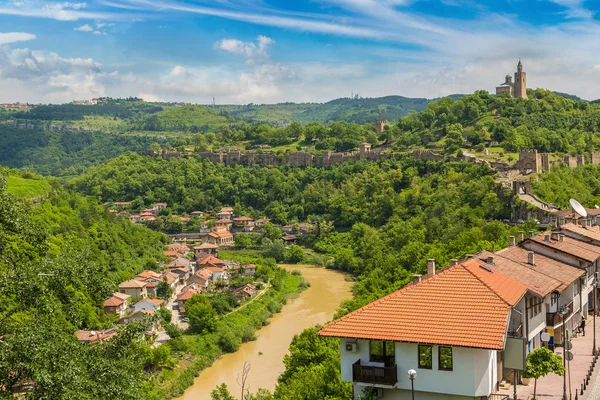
94,336
121,296
564,273
243,219
508,289
536,281
577,248
204,246
453,307
132,283
592,232
172,253
211,260
113,302
148,274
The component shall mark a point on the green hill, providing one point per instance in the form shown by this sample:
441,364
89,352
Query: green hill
27,186
192,118
362,111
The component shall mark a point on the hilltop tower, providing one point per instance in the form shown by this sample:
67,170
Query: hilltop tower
520,88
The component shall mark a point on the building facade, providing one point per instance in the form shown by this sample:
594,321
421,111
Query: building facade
516,88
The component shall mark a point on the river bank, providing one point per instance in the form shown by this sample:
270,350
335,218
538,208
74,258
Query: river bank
315,305
199,351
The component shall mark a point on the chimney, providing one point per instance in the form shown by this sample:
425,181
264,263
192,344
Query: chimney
490,259
584,223
547,238
521,236
453,262
531,234
531,258
431,266
511,241
416,278
555,222
554,236
561,237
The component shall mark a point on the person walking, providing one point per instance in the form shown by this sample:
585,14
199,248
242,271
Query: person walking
582,325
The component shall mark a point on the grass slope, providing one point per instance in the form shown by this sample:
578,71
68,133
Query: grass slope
27,188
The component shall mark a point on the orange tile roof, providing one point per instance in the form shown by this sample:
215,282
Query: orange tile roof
211,260
453,307
564,273
173,254
148,274
113,302
224,221
592,232
508,289
132,283
574,247
243,219
536,281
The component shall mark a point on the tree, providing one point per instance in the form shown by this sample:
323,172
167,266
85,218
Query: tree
164,290
540,362
243,240
202,315
221,392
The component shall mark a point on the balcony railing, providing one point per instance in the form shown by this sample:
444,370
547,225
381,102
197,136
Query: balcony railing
553,319
387,376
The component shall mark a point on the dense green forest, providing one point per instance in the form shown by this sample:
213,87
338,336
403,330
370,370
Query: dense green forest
61,153
59,259
564,183
545,121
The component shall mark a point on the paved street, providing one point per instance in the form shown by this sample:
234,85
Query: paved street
551,386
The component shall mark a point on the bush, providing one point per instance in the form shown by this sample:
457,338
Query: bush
173,330
228,340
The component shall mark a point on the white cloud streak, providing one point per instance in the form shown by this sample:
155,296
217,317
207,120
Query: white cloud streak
13,37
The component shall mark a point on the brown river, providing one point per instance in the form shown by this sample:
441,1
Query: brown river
315,305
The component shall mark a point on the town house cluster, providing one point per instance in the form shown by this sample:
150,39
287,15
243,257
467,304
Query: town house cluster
188,272
455,325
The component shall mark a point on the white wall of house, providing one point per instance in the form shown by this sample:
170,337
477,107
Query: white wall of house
474,370
402,394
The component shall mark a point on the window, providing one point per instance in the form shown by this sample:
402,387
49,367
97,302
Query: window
425,356
381,351
445,358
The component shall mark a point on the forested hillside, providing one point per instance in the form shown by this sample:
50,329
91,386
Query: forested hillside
564,183
62,153
545,121
59,259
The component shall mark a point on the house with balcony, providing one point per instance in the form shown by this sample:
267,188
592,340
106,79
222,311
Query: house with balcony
579,254
451,326
561,297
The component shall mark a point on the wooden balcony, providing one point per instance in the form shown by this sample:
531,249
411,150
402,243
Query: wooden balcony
553,319
385,376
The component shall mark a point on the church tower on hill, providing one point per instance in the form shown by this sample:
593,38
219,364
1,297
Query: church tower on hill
518,88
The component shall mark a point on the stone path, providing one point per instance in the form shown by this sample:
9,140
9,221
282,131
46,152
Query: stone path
551,386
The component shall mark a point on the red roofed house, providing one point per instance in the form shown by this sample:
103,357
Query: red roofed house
219,235
450,326
115,305
158,206
245,291
225,213
95,336
187,294
201,278
134,288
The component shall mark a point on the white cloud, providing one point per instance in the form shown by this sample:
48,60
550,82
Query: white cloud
249,50
84,28
40,76
12,37
61,11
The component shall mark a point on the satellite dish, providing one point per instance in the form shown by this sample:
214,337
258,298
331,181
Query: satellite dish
579,209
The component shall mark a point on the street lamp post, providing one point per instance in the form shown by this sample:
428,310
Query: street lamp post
562,312
595,350
412,374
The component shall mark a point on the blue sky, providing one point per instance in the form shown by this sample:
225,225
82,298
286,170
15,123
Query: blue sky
266,51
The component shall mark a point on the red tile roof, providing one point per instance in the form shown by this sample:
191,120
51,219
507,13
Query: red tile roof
113,302
577,248
564,273
536,281
592,232
211,260
452,308
132,283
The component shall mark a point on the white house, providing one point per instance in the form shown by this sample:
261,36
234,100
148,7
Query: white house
449,326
